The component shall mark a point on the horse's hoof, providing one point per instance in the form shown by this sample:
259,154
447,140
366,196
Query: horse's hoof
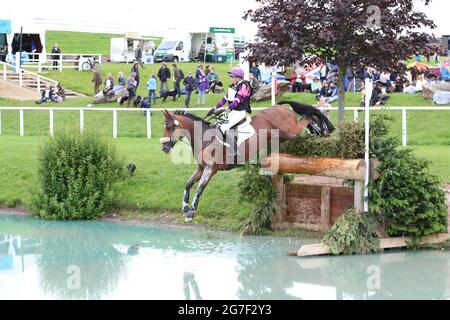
186,208
190,214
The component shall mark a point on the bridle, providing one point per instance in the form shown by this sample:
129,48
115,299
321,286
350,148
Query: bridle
171,141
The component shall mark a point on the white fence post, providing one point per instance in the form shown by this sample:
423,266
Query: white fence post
20,77
40,63
4,72
404,128
81,120
149,125
114,123
21,122
38,84
60,63
51,123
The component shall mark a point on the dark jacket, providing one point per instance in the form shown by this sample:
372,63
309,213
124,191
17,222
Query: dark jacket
50,94
256,72
189,83
57,51
138,53
177,74
164,74
135,69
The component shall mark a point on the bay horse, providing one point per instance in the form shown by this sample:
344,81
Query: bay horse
211,156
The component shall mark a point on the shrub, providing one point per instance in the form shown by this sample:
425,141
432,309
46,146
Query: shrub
258,190
76,173
407,199
353,233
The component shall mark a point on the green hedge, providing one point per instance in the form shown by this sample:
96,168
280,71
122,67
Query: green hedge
77,174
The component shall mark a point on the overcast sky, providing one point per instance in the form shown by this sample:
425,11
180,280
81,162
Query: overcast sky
174,13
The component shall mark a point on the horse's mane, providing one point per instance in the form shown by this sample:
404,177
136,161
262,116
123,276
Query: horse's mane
191,116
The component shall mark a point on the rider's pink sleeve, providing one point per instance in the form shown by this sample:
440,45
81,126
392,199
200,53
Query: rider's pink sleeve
244,92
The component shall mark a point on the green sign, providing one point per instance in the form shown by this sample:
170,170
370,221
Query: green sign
5,26
221,30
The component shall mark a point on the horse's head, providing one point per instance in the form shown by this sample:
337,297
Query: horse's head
173,131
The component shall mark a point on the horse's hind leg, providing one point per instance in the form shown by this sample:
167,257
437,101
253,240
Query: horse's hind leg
208,172
193,180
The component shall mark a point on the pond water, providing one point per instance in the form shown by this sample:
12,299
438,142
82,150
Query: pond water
105,260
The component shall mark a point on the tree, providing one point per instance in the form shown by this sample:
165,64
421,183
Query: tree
357,33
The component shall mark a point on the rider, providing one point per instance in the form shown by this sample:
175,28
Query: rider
238,98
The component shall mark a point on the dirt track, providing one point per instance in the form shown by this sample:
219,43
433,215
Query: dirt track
11,91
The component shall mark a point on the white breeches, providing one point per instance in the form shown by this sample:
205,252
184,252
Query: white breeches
234,117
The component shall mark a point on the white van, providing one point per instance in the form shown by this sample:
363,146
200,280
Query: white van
173,50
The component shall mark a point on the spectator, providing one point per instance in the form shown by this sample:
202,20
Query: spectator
213,79
350,75
97,80
46,95
418,57
138,56
178,76
207,70
323,72
385,78
135,69
316,86
3,53
164,76
198,74
109,84
56,56
255,71
323,90
436,57
131,87
189,84
332,93
254,83
59,94
377,95
420,82
203,84
297,83
120,83
151,87
445,74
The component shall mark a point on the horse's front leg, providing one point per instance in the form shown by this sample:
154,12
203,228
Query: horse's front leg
193,180
208,172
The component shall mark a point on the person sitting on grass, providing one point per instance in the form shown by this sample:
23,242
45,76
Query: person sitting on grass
120,84
316,86
59,94
378,96
46,94
332,93
109,84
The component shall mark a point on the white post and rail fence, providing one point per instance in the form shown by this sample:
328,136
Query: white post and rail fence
115,111
60,61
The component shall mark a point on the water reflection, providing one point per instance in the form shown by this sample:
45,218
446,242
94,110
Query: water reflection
43,260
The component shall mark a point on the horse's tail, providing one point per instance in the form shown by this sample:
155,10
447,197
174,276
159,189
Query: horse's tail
322,126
